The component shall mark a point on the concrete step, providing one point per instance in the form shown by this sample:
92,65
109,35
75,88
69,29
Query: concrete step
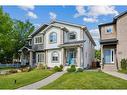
110,68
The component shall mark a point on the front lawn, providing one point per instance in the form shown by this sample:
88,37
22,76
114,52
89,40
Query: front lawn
87,80
24,78
123,71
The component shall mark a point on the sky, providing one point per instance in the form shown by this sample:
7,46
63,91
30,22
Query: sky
89,16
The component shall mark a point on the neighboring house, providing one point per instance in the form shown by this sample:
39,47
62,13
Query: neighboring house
113,40
59,43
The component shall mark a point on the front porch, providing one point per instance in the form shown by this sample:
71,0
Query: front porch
72,55
108,55
27,56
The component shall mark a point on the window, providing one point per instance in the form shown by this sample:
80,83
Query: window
40,57
30,42
53,37
38,40
72,36
55,56
109,30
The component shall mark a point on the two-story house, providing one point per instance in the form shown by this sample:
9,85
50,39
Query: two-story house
59,43
113,40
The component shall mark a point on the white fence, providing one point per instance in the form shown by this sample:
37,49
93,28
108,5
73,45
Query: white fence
10,65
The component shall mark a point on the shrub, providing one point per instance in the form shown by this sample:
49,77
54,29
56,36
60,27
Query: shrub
61,66
123,64
12,71
72,69
79,70
27,69
57,69
40,66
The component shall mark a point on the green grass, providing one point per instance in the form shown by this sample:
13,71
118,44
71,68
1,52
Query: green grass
87,80
24,78
123,71
6,68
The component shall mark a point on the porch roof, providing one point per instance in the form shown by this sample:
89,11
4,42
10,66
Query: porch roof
29,48
74,43
109,41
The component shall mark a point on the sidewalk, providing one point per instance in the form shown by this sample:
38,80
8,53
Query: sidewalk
117,74
43,82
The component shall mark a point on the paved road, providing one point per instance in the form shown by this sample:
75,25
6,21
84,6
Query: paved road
43,82
117,74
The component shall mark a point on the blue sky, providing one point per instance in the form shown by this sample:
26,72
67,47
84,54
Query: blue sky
90,16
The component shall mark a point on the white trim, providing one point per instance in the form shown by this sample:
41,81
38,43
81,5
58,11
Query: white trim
111,61
38,37
42,55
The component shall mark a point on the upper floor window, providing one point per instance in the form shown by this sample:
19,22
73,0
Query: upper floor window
72,36
55,56
38,40
53,37
109,30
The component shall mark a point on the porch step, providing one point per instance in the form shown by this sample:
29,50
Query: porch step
110,68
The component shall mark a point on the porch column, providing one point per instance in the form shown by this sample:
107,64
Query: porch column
102,58
78,56
21,58
62,56
46,57
31,58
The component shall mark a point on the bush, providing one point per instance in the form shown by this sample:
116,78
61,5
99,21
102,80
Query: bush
57,69
123,64
61,66
40,66
79,70
72,69
12,71
27,69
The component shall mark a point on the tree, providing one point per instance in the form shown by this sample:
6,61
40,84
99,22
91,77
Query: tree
21,32
98,54
13,35
6,43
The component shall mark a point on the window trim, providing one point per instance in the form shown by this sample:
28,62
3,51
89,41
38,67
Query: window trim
108,27
52,57
42,55
75,36
38,37
112,51
49,38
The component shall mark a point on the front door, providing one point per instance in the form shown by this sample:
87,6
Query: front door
108,56
71,57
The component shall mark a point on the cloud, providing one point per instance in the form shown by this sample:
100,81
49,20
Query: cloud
91,13
52,15
26,8
85,19
80,11
96,36
96,11
37,25
32,15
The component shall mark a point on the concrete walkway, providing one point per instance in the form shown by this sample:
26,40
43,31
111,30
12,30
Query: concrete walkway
117,74
43,82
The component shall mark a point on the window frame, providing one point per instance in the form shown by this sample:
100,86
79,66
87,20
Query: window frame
41,56
50,36
70,34
112,56
52,57
37,42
